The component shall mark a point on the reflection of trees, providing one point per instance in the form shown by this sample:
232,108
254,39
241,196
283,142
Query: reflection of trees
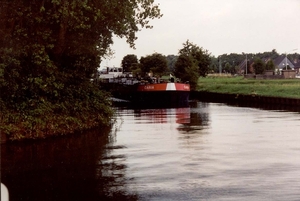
199,118
64,168
198,121
192,130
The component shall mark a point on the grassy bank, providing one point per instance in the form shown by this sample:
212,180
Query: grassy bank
287,88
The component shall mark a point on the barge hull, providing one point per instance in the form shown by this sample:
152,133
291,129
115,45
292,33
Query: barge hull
161,98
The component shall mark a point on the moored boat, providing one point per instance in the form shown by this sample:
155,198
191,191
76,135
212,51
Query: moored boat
163,94
149,92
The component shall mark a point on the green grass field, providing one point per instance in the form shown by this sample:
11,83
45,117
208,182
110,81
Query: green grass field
289,88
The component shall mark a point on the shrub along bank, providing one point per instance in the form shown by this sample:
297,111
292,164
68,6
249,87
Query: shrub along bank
42,117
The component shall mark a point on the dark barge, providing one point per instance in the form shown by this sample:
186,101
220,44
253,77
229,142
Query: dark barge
149,92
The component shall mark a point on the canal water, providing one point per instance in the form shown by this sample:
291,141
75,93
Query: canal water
209,151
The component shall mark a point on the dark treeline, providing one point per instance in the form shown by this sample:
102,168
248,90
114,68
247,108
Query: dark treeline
192,61
49,52
229,62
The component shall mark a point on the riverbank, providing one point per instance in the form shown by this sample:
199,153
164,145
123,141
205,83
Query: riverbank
238,90
281,88
264,102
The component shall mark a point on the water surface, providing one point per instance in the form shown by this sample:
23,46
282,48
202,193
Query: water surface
206,152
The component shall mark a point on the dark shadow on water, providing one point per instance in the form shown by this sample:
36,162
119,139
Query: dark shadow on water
273,107
76,167
245,101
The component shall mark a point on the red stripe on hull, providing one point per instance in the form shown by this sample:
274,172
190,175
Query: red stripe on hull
182,87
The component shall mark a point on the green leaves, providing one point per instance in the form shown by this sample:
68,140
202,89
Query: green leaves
49,51
129,62
155,63
259,66
192,62
270,65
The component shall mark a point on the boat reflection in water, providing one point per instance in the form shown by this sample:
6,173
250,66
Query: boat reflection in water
187,118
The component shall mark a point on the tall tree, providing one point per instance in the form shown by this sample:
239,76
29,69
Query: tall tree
50,49
198,55
192,62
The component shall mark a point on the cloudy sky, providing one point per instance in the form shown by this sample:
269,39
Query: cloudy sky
220,26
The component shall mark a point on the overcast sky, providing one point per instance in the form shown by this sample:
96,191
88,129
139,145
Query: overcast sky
219,26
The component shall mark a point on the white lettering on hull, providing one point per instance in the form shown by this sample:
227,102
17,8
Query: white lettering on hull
149,87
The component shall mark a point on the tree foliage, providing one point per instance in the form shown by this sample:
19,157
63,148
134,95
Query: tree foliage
50,49
259,66
270,65
192,62
198,56
129,62
267,55
182,64
295,57
155,63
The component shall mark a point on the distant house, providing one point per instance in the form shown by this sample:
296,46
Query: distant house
297,67
281,62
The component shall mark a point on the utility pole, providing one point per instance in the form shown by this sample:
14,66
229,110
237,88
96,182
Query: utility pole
220,66
246,64
285,61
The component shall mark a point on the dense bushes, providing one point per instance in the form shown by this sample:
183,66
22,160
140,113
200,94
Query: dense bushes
39,118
